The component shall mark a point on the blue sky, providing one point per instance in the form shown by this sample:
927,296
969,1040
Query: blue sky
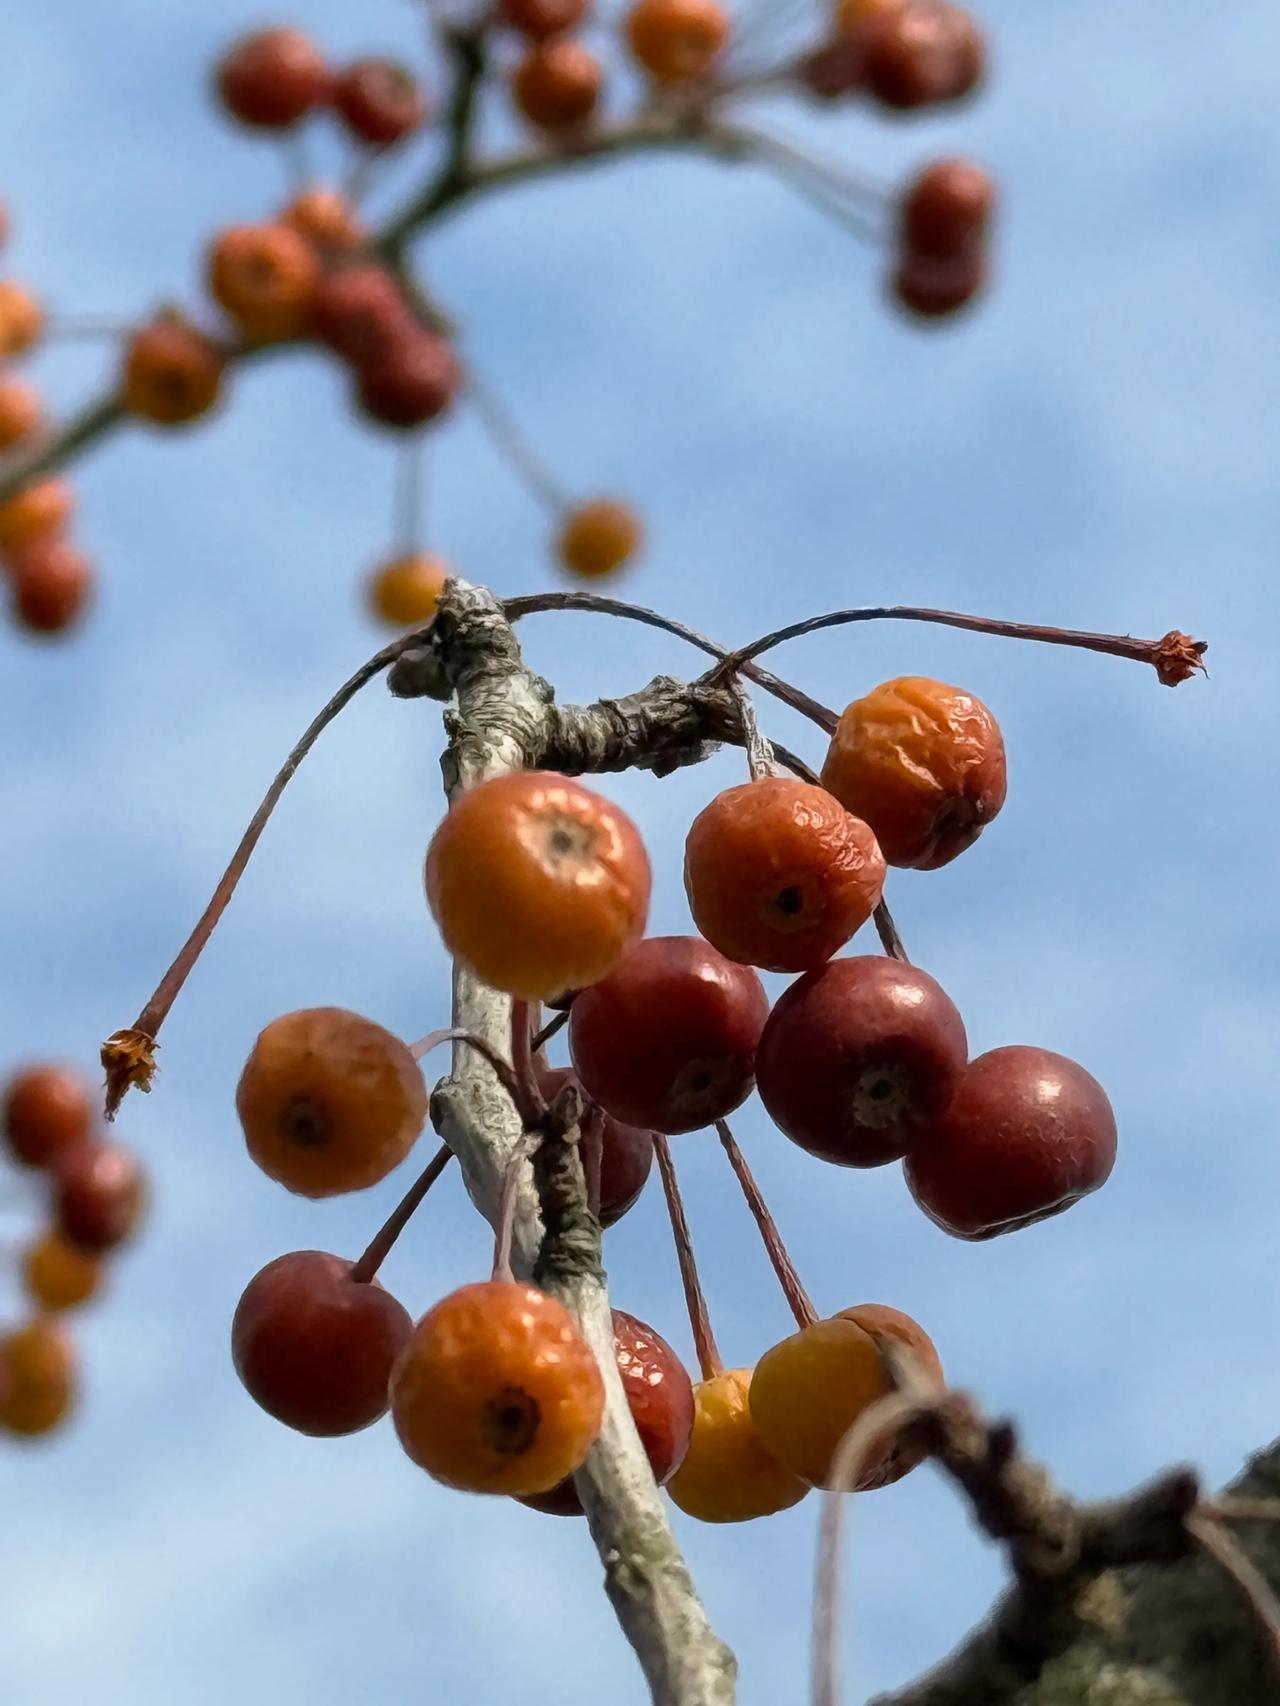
1097,447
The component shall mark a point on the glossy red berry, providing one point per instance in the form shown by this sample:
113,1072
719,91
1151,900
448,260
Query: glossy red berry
380,101
271,78
51,583
660,1397
359,312
668,1040
860,1059
314,1347
921,53
779,875
946,210
411,383
1026,1134
539,20
626,1155
99,1196
47,1110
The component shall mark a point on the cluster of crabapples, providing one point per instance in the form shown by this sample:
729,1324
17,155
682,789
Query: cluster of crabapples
541,887
95,1195
313,273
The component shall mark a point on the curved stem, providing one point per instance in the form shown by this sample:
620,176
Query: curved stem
704,1342
793,1290
380,1245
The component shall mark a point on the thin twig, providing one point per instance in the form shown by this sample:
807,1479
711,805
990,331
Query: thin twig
380,1245
128,1056
704,1342
529,1109
793,1290
505,1228
1236,1564
552,1028
888,933
515,445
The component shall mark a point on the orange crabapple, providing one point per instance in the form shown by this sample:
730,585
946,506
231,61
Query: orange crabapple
59,1275
779,875
314,1347
39,1384
728,1473
99,1195
379,101
172,371
667,1041
660,1397
329,1102
21,318
325,217
541,19
676,41
497,1391
556,85
403,591
50,584
46,1111
809,1390
270,79
537,883
264,276
37,510
21,411
924,764
1026,1134
596,538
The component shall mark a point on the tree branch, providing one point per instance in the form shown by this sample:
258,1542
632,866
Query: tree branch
503,721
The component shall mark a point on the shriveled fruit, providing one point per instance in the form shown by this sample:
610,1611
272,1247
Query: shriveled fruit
626,1154
271,78
329,1101
324,217
779,875
21,414
808,1391
538,883
884,1323
99,1196
411,383
677,40
660,1398
541,19
859,1060
38,1384
172,371
1027,1133
497,1391
265,277
920,54
667,1041
59,1275
598,538
21,318
557,84
728,1474
359,312
314,1347
404,591
923,764
50,584
380,101
46,1111
35,511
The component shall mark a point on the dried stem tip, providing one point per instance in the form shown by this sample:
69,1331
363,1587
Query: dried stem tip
129,1061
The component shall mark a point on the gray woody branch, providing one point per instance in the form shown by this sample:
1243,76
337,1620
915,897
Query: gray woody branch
505,718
